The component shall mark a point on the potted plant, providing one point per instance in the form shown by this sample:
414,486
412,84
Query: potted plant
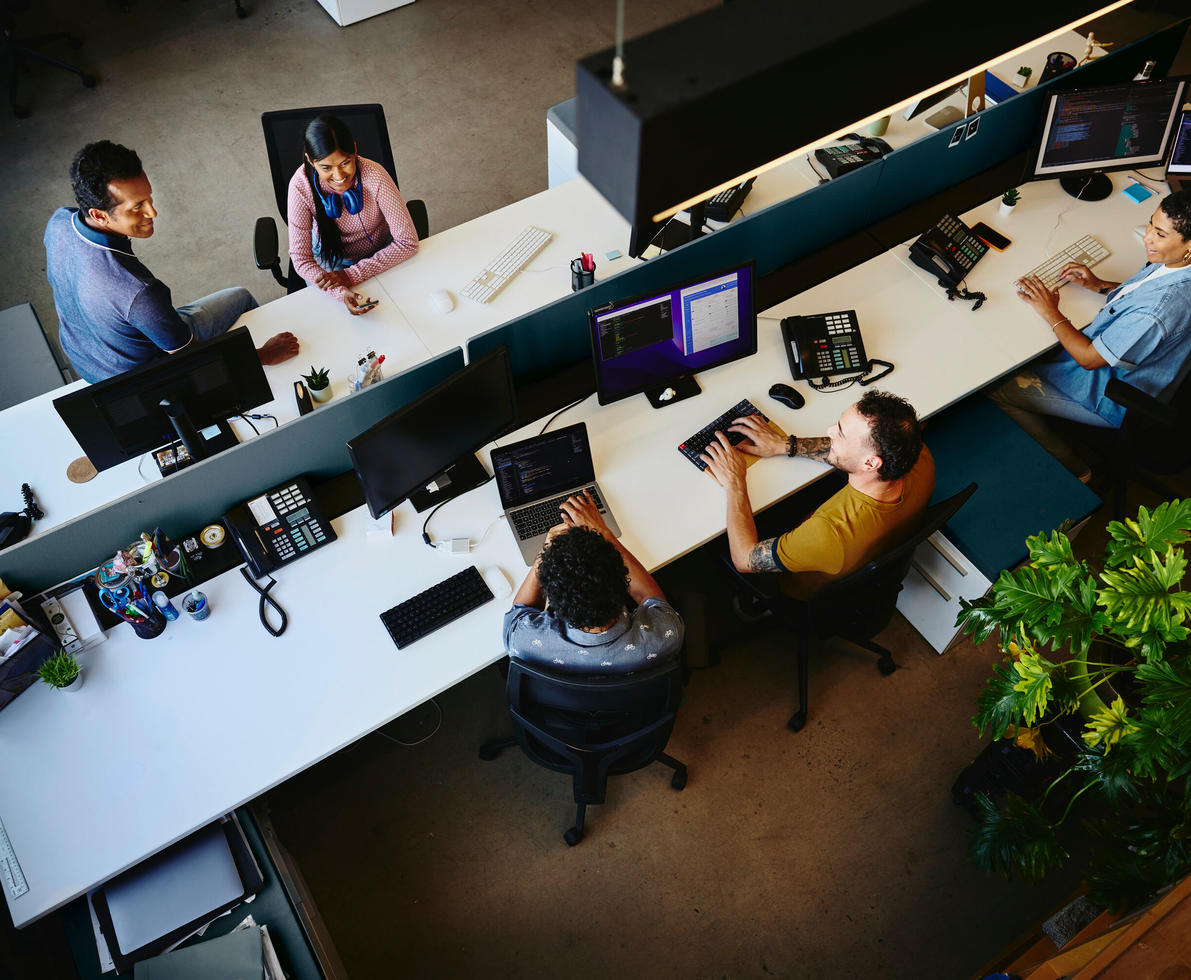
62,671
1022,78
318,383
1101,646
1009,201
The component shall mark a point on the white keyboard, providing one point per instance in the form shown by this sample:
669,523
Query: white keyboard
496,274
1087,251
14,878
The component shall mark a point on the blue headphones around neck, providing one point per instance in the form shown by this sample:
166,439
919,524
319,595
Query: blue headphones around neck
352,199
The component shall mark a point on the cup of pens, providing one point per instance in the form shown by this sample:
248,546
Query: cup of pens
135,608
582,272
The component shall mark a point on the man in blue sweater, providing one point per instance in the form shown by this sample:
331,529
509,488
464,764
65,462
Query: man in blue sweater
113,314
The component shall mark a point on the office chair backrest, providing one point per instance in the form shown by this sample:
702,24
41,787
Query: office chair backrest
866,599
590,711
284,130
1153,434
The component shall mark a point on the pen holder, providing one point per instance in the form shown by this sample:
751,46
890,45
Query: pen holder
580,277
151,627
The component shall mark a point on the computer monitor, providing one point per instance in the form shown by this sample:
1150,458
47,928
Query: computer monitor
188,396
656,342
1178,168
425,451
1086,131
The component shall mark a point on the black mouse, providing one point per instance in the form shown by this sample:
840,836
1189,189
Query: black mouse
787,395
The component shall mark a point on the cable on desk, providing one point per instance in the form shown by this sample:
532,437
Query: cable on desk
426,738
1156,180
434,510
266,600
255,430
559,412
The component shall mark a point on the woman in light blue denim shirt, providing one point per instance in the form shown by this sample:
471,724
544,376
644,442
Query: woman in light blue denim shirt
1142,335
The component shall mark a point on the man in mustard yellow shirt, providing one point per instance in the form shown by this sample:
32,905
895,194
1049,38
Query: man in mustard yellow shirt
877,442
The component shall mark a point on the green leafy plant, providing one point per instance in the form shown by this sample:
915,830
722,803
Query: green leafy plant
317,380
1025,71
1103,646
1011,197
60,670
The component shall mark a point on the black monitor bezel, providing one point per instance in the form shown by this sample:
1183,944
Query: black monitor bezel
83,411
593,330
1106,166
438,391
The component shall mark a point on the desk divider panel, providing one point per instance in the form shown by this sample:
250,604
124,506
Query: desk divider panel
555,337
313,445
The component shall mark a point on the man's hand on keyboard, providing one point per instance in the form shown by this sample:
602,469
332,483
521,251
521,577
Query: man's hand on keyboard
725,463
1043,301
1081,275
759,438
581,511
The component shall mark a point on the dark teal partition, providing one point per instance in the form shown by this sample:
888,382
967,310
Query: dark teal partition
314,445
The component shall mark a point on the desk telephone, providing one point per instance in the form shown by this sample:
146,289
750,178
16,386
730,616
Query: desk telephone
279,526
825,344
843,159
948,251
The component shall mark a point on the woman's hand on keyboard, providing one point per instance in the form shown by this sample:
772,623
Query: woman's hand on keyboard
759,438
1043,301
1081,275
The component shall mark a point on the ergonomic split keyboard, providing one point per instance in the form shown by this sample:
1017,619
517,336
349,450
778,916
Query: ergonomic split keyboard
500,271
436,606
692,446
1087,251
540,517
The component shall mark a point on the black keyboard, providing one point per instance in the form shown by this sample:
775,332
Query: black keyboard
692,447
538,519
436,607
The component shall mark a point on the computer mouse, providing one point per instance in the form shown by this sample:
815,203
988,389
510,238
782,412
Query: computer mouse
497,581
442,301
787,395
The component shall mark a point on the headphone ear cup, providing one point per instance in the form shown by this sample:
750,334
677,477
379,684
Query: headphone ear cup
353,198
331,204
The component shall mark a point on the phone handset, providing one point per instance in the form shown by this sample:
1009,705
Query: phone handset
279,526
829,344
949,251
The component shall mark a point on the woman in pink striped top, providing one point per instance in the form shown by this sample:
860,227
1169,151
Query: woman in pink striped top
347,220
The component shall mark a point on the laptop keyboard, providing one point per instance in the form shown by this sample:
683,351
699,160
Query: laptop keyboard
692,447
539,518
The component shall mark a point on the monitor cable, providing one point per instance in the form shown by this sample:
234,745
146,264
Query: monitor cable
450,544
266,600
565,408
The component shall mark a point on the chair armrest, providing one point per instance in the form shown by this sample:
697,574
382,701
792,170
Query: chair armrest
1135,400
264,249
421,220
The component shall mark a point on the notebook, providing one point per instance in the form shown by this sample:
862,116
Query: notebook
536,475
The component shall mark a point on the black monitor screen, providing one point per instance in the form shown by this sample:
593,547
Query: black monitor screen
1180,156
1108,127
121,417
419,442
652,339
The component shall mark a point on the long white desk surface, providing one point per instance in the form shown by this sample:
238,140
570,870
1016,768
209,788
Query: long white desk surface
168,734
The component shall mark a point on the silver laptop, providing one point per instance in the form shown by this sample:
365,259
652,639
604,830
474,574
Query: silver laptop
536,475
1178,170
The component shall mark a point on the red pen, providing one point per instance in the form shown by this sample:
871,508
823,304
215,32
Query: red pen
588,262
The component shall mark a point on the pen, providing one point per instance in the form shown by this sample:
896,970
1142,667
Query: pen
588,262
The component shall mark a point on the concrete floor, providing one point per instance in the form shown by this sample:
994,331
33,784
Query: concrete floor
835,852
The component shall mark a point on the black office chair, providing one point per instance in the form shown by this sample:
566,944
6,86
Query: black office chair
592,727
19,51
855,608
283,142
1151,443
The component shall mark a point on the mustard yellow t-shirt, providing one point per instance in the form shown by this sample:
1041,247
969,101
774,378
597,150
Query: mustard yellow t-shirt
851,529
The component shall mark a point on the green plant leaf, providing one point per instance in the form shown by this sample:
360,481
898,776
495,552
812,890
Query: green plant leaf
1019,842
1033,684
1107,726
980,617
1114,778
1143,610
1166,684
1148,748
1055,550
1080,621
1168,524
1000,705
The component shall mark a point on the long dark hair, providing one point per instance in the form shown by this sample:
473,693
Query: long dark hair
324,135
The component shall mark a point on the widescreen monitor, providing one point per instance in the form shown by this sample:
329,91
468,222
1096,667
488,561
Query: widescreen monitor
188,396
1087,131
656,342
1178,168
426,450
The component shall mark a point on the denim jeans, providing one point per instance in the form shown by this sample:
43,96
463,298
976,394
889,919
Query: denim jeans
1027,399
216,314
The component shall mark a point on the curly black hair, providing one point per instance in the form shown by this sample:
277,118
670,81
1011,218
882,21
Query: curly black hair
95,166
1177,207
894,431
584,578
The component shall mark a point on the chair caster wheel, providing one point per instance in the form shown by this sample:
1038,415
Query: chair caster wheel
89,81
678,780
797,720
886,666
573,836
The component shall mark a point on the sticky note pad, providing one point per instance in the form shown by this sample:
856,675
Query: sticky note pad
1137,192
614,254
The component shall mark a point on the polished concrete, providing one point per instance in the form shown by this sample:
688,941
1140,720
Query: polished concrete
834,852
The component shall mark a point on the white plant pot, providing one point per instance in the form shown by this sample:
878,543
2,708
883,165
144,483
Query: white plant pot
76,683
319,394
1006,209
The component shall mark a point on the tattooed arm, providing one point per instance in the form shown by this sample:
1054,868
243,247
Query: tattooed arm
816,449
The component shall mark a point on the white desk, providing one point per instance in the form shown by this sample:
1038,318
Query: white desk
154,746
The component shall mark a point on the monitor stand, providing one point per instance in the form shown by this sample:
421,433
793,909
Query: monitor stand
675,391
466,474
1087,187
199,443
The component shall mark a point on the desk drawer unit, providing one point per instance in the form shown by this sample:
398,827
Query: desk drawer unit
939,577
